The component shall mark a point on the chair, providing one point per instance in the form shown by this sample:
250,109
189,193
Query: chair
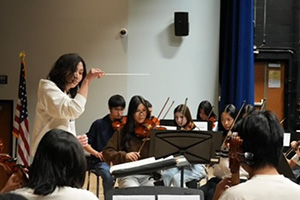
153,190
90,168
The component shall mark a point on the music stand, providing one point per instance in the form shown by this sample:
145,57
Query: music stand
195,146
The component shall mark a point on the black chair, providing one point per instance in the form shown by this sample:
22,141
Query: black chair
154,190
90,168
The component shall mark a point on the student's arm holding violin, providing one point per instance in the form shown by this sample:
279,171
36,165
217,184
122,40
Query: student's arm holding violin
14,182
17,173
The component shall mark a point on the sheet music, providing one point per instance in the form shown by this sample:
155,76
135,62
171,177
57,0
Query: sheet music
203,126
286,139
170,127
133,197
178,197
137,163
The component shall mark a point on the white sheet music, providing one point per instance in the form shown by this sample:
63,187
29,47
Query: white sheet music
133,197
203,126
178,197
286,139
137,163
170,127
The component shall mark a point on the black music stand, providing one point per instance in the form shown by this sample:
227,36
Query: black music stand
195,146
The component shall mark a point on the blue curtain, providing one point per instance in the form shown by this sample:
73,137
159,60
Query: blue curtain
236,52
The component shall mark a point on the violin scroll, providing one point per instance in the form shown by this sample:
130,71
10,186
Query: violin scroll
119,123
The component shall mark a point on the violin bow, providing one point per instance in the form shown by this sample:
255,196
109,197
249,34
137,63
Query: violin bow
281,121
263,104
168,110
163,107
209,114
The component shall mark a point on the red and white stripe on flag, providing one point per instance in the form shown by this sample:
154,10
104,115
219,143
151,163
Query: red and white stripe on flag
20,124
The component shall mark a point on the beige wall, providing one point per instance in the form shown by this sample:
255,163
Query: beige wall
179,67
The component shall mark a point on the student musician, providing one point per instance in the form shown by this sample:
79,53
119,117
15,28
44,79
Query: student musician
183,120
99,134
205,112
124,146
262,136
221,169
58,169
294,162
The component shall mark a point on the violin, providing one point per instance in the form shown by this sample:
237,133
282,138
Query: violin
213,120
10,165
143,130
189,126
119,123
234,153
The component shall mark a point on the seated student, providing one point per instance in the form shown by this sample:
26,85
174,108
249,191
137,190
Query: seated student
294,162
221,169
58,169
183,120
124,145
99,134
262,136
205,112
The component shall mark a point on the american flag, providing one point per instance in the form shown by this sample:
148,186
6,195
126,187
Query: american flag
20,125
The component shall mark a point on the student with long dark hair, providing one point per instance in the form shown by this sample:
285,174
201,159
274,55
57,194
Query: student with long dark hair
205,112
124,146
58,169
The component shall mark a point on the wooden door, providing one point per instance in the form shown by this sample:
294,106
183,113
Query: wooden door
269,85
6,118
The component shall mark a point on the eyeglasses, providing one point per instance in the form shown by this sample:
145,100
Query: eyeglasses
141,112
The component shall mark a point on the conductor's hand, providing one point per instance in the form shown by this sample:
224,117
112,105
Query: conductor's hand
83,140
132,156
94,73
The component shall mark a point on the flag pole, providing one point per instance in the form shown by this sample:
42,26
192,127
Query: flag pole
21,122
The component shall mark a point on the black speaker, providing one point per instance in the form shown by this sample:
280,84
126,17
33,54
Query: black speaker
181,23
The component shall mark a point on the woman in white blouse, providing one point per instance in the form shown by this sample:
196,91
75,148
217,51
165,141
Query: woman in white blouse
61,98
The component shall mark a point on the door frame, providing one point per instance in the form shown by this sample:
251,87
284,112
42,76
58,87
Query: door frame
290,84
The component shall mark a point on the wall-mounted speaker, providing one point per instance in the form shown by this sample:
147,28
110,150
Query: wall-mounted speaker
181,23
